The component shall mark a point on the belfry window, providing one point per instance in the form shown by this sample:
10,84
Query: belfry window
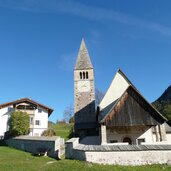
86,75
80,75
83,75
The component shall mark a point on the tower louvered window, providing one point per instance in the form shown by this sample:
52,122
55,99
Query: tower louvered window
83,75
80,75
86,75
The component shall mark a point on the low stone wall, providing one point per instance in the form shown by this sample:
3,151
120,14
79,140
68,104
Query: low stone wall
118,154
55,145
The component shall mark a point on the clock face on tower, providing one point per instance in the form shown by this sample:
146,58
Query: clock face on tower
83,86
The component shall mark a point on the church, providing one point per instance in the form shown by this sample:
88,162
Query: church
123,116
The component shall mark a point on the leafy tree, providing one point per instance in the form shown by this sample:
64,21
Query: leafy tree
18,123
71,133
71,120
60,121
48,133
167,111
164,107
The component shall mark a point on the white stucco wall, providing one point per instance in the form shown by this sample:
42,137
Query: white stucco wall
4,115
43,118
116,89
36,130
133,136
168,136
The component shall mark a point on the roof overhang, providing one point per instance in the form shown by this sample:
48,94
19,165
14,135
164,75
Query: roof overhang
27,100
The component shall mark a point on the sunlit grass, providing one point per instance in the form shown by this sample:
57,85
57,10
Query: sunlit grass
15,160
62,129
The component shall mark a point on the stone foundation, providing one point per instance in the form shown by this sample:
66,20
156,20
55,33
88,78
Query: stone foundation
118,154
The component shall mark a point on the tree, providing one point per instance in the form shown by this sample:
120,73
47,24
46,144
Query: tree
18,123
68,113
48,132
71,120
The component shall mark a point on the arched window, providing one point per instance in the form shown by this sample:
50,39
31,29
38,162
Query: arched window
127,139
83,75
86,75
80,75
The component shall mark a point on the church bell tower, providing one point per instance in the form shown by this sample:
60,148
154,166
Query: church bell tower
84,94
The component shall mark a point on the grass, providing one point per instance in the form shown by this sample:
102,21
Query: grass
62,129
15,160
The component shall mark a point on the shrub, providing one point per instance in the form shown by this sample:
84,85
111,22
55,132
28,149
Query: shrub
48,133
18,123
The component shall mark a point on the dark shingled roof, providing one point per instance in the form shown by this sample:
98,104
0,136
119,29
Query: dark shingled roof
123,147
83,59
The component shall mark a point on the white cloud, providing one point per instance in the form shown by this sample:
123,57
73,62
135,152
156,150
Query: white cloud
81,10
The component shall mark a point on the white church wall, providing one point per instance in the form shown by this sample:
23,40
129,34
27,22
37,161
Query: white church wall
147,136
168,136
115,137
116,89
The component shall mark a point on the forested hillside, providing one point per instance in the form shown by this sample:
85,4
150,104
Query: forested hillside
163,103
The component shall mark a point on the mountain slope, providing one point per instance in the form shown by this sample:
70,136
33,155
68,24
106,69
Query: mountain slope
163,103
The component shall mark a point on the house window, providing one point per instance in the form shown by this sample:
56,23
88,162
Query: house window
37,122
31,120
128,140
39,110
9,109
141,140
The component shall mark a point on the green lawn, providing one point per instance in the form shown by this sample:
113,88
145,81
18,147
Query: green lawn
62,129
15,160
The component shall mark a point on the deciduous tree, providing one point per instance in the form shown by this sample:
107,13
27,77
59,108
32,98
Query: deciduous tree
18,123
68,113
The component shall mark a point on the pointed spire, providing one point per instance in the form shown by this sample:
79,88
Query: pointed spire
83,58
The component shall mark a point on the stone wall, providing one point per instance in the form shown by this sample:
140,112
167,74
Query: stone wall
55,146
118,154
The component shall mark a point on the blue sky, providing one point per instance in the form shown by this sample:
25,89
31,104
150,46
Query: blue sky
40,39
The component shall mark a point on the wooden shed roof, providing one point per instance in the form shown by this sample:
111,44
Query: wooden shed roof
131,109
26,100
